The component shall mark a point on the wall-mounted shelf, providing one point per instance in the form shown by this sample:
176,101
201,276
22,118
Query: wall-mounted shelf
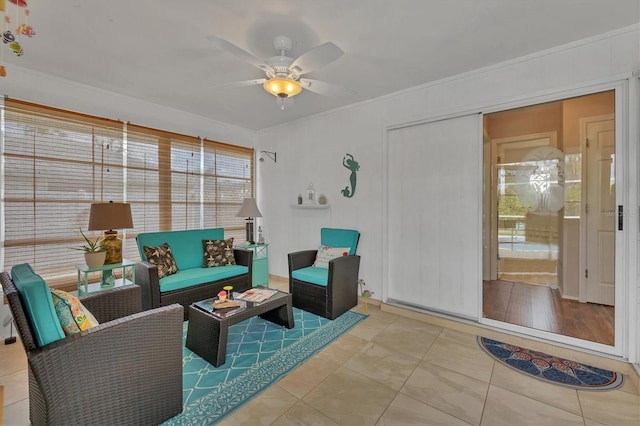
310,206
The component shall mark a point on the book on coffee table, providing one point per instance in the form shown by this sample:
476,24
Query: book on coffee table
208,306
256,295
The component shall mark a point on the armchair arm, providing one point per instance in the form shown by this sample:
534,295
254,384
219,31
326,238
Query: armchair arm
244,257
112,304
344,269
301,259
120,372
147,279
342,283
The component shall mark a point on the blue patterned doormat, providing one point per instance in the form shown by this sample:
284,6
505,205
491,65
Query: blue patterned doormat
550,368
259,353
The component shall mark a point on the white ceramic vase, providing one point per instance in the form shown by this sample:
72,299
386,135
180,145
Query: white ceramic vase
95,259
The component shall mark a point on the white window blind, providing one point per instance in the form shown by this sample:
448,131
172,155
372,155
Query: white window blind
56,163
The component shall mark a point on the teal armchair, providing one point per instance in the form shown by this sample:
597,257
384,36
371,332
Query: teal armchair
328,292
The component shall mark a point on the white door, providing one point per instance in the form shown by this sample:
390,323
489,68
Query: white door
600,212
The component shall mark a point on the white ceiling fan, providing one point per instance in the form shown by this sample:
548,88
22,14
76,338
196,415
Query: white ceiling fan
283,74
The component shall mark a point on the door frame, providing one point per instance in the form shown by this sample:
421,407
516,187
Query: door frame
625,268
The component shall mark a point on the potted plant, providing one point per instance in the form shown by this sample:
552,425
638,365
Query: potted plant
94,256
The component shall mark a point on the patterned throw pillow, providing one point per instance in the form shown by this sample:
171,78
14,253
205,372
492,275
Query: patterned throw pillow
72,314
162,257
218,253
326,254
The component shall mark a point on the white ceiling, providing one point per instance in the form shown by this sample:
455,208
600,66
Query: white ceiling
157,50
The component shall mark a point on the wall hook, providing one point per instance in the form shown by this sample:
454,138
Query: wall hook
270,154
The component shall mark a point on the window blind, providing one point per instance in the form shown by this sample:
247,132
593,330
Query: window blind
56,163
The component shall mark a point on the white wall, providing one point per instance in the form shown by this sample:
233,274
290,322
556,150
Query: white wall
311,150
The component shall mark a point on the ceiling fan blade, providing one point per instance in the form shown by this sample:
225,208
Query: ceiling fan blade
326,89
240,83
317,57
238,52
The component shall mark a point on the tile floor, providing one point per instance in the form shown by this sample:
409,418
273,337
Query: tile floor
402,368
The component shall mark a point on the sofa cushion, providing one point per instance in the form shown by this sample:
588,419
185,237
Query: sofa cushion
311,274
162,257
186,246
326,254
36,298
72,314
195,276
217,253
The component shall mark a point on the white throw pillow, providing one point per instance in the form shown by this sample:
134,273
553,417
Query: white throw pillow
326,254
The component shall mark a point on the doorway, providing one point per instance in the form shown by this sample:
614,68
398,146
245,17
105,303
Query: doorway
549,208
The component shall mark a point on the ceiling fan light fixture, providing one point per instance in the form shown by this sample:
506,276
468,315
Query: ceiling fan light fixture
282,87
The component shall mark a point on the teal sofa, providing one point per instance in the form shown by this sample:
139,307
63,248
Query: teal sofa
192,282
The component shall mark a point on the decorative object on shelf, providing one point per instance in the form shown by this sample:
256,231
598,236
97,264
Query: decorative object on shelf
311,194
107,217
353,166
365,294
94,255
322,199
270,154
299,198
260,236
108,280
249,210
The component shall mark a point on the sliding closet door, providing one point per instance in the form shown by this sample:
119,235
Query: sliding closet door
434,185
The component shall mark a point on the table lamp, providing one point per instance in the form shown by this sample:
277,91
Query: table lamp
249,210
108,217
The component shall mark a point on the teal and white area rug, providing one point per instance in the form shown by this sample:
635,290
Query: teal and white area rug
259,353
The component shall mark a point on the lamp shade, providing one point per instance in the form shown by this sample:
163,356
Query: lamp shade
110,215
249,208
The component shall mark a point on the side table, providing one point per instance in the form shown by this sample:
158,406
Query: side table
260,267
126,269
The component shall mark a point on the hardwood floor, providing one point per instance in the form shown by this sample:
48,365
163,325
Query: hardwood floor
542,308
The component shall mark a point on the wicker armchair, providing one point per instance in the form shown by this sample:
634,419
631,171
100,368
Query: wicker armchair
326,292
127,370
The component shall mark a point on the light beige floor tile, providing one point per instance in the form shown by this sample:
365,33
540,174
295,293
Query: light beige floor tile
514,381
370,328
343,348
349,398
263,409
17,414
460,337
588,422
303,414
628,386
16,386
308,375
408,336
611,408
449,391
461,357
383,365
507,408
405,410
13,358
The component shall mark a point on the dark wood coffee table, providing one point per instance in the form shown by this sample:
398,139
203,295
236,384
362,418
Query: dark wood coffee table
207,333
